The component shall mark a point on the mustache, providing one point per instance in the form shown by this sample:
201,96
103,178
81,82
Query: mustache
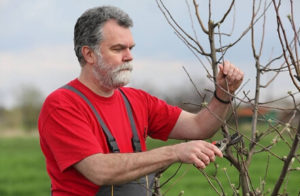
124,67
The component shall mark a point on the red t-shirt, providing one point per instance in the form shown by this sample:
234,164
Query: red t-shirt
69,130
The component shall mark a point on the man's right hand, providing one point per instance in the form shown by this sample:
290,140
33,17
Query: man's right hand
198,152
118,168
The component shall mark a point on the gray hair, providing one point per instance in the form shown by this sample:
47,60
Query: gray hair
88,28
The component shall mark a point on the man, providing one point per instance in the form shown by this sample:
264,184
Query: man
93,131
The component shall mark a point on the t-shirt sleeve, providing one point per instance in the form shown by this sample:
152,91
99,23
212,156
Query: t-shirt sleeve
162,118
69,137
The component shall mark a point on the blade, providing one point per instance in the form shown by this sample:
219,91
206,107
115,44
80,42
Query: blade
235,138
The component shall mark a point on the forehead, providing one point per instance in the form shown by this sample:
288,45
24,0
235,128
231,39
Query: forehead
116,34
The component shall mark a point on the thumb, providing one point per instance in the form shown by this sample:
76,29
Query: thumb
221,73
221,67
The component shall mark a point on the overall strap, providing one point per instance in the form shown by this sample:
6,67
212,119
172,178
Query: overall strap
136,144
111,140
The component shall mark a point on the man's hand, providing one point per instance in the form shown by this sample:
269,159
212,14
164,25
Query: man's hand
199,152
229,79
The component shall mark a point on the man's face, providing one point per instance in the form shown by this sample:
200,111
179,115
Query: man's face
113,66
111,76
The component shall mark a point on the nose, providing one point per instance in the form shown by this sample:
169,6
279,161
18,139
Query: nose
127,55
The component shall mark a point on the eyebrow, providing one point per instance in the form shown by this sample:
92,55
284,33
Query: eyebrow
122,46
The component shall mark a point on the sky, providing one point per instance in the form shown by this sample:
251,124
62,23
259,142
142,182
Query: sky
36,45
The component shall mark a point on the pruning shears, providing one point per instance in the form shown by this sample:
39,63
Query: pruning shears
224,143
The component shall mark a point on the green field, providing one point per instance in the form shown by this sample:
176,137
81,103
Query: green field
22,172
22,168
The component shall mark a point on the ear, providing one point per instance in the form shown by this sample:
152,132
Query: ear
88,54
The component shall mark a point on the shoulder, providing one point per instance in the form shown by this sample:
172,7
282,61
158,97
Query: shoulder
63,97
61,100
133,93
60,97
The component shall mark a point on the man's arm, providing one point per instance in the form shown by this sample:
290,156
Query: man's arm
206,122
118,168
202,125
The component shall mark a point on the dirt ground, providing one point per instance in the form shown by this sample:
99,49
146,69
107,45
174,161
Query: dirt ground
18,133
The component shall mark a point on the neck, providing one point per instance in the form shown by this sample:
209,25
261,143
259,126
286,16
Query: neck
92,83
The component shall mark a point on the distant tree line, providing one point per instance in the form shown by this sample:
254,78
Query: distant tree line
24,114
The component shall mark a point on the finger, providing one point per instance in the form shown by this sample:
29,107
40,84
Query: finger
232,74
215,150
210,154
200,167
221,72
221,67
240,75
226,67
236,78
232,70
204,158
199,164
218,152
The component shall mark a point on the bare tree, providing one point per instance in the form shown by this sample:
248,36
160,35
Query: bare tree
219,44
292,61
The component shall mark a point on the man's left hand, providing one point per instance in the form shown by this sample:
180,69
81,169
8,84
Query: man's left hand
229,80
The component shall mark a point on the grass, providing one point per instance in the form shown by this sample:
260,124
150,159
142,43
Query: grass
22,168
23,173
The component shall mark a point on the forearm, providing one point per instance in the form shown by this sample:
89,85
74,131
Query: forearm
210,119
117,168
201,125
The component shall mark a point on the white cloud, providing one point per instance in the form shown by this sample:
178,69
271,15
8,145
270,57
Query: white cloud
3,3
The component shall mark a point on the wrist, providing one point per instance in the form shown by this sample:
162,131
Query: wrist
222,100
175,150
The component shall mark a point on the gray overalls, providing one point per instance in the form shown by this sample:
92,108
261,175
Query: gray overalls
139,187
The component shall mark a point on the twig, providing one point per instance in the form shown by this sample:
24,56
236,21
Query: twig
231,184
176,172
209,181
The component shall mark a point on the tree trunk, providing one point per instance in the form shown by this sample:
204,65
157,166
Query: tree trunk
287,162
244,182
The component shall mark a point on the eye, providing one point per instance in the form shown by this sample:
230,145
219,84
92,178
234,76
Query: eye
117,49
131,48
121,47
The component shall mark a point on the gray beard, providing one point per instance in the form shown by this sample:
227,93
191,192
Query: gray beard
110,77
